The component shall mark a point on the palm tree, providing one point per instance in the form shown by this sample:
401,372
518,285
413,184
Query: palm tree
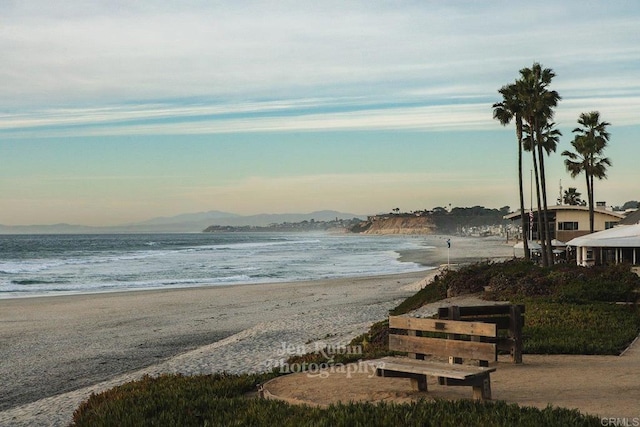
571,197
550,137
510,108
539,103
589,142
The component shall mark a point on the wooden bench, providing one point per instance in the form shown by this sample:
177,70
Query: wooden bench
454,346
508,318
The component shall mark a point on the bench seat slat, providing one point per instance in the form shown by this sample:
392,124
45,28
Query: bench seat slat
440,369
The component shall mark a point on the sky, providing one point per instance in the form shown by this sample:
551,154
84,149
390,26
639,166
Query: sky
113,112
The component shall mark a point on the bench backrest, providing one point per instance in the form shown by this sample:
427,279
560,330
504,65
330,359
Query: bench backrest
456,345
509,318
501,315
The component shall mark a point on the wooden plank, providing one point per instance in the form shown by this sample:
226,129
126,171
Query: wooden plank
454,314
419,384
414,355
443,347
395,366
483,391
501,322
505,344
414,362
481,310
446,326
484,363
399,370
515,332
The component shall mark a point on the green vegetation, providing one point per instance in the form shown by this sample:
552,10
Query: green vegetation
569,310
217,400
571,197
467,217
436,291
598,328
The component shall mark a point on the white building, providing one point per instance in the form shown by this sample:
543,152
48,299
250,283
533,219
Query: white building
616,245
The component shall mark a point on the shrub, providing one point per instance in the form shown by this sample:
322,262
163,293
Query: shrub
435,291
165,400
219,400
514,280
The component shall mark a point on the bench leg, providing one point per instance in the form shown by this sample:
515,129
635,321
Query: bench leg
482,390
419,383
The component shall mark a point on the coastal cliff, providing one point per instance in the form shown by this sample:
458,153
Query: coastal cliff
476,220
396,224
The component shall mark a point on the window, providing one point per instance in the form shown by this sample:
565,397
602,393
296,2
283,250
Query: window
568,225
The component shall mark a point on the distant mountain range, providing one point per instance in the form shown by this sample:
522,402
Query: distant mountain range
184,223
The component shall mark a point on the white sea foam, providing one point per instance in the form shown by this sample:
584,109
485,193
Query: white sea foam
64,264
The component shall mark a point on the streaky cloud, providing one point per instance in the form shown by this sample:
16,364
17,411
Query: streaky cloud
289,116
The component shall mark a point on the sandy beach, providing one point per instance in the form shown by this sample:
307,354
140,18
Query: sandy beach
56,351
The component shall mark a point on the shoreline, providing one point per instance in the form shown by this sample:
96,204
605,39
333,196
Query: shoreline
425,269
465,250
62,345
60,349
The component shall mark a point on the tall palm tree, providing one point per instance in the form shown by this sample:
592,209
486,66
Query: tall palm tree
589,142
510,108
550,137
539,103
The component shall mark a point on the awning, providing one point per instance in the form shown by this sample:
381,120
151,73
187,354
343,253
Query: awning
622,236
532,245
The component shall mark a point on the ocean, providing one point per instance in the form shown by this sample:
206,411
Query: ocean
35,265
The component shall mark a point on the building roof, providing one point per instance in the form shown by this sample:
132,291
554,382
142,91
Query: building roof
622,236
631,218
618,215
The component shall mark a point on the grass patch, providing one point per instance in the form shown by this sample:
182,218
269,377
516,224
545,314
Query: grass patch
596,328
220,400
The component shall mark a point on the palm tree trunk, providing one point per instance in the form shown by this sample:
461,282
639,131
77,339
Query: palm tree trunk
590,200
591,204
541,191
525,236
540,222
545,210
